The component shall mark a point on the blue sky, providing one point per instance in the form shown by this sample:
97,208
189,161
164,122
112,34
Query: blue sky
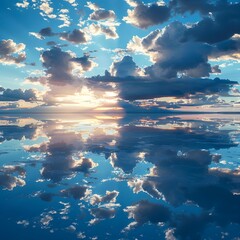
116,39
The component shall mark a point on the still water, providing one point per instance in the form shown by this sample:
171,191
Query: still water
102,177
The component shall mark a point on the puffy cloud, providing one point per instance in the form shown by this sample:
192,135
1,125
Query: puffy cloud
102,14
110,196
98,29
84,62
62,158
146,15
72,2
59,66
46,32
12,53
77,192
8,180
124,68
145,211
76,36
65,18
171,54
84,165
62,67
102,214
106,24
24,4
18,94
46,9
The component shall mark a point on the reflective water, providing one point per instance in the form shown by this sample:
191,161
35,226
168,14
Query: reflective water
112,177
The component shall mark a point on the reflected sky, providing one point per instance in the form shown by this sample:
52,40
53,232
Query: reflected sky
120,177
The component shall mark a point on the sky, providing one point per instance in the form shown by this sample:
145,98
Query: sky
119,56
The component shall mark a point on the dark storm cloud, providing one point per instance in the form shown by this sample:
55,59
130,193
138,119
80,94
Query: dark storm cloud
223,24
76,36
144,15
12,53
177,88
17,94
136,88
183,6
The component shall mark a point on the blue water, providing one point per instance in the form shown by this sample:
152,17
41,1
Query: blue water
119,177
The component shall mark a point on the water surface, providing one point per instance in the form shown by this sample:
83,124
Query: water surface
113,177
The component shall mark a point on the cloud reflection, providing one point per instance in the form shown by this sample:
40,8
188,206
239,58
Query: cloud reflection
161,171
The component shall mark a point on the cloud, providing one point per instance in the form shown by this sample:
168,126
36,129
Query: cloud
100,14
171,54
84,62
146,15
111,196
183,6
24,4
77,192
46,32
106,24
146,88
98,29
12,131
124,68
72,2
222,25
18,94
60,67
84,165
76,36
46,9
102,214
7,179
62,158
145,211
12,53
47,197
